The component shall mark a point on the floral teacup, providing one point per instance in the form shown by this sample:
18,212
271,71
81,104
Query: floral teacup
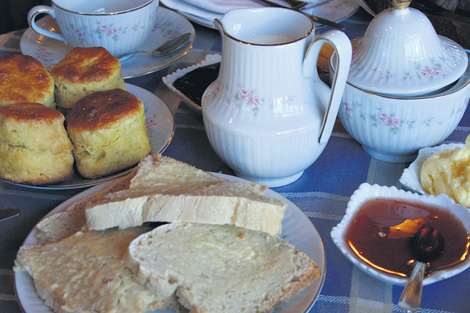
119,26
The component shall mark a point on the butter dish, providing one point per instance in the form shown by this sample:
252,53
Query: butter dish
410,176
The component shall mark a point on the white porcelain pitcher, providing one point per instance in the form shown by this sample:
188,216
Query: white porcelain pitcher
268,115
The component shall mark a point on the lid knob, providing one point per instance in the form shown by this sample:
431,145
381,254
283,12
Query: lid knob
400,4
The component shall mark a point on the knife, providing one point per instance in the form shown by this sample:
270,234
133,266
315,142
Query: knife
315,18
8,213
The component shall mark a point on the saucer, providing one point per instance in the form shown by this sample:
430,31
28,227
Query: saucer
334,10
49,51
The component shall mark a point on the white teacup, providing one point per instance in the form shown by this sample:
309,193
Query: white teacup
119,26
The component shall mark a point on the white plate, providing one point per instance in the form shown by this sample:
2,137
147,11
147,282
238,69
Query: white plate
410,177
169,24
160,128
297,229
171,78
333,10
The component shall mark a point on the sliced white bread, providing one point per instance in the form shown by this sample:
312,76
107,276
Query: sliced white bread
162,189
86,273
220,268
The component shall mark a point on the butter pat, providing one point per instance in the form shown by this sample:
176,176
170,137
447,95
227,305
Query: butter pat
448,172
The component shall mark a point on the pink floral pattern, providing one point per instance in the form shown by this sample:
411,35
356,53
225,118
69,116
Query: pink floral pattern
250,98
389,120
430,72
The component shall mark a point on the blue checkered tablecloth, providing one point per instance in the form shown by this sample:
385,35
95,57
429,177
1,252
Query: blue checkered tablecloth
321,193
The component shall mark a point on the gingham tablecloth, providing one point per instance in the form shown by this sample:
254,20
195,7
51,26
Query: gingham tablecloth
321,193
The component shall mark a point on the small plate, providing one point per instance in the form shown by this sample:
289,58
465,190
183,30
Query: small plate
296,228
410,177
334,10
170,79
169,24
160,128
367,192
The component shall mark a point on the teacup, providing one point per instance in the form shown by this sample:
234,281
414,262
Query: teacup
119,26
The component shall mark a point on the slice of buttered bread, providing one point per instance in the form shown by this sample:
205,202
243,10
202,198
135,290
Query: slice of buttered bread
86,273
220,268
162,189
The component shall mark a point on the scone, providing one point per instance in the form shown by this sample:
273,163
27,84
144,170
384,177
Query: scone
24,79
83,71
34,146
108,132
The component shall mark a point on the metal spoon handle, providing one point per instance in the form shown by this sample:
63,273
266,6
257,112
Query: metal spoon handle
410,299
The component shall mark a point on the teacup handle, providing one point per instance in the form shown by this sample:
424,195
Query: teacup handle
342,45
43,9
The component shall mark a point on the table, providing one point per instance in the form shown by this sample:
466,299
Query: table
321,193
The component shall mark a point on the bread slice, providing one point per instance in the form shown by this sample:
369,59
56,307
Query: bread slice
162,189
220,268
86,273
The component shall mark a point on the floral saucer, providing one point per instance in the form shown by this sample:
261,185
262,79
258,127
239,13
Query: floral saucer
169,25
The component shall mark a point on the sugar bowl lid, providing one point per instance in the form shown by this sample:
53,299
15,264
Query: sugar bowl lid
401,54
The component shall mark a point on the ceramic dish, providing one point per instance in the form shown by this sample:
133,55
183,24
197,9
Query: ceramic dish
334,10
367,192
410,177
296,228
170,79
160,128
169,24
393,128
401,54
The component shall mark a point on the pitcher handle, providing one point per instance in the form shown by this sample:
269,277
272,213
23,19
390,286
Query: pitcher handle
342,45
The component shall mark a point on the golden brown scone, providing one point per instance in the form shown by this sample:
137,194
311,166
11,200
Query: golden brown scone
24,79
34,146
83,71
108,132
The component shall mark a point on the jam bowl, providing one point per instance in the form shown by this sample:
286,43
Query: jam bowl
380,221
401,54
394,128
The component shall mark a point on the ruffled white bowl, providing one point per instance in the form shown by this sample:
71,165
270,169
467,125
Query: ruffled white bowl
410,176
367,192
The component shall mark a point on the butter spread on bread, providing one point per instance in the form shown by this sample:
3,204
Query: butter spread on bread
162,189
220,268
86,273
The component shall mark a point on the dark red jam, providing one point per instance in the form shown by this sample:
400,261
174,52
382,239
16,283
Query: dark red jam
194,83
382,228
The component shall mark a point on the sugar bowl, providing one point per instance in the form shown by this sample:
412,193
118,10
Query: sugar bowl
407,88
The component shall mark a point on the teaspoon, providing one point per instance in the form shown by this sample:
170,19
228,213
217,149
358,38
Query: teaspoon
425,246
166,48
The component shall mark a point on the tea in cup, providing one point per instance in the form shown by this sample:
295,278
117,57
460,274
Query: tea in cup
118,26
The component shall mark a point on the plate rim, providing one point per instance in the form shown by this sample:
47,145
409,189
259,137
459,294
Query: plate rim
311,10
315,288
92,182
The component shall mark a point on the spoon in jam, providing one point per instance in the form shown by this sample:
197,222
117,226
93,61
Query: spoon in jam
426,245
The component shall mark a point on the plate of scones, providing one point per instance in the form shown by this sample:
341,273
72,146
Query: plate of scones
77,124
